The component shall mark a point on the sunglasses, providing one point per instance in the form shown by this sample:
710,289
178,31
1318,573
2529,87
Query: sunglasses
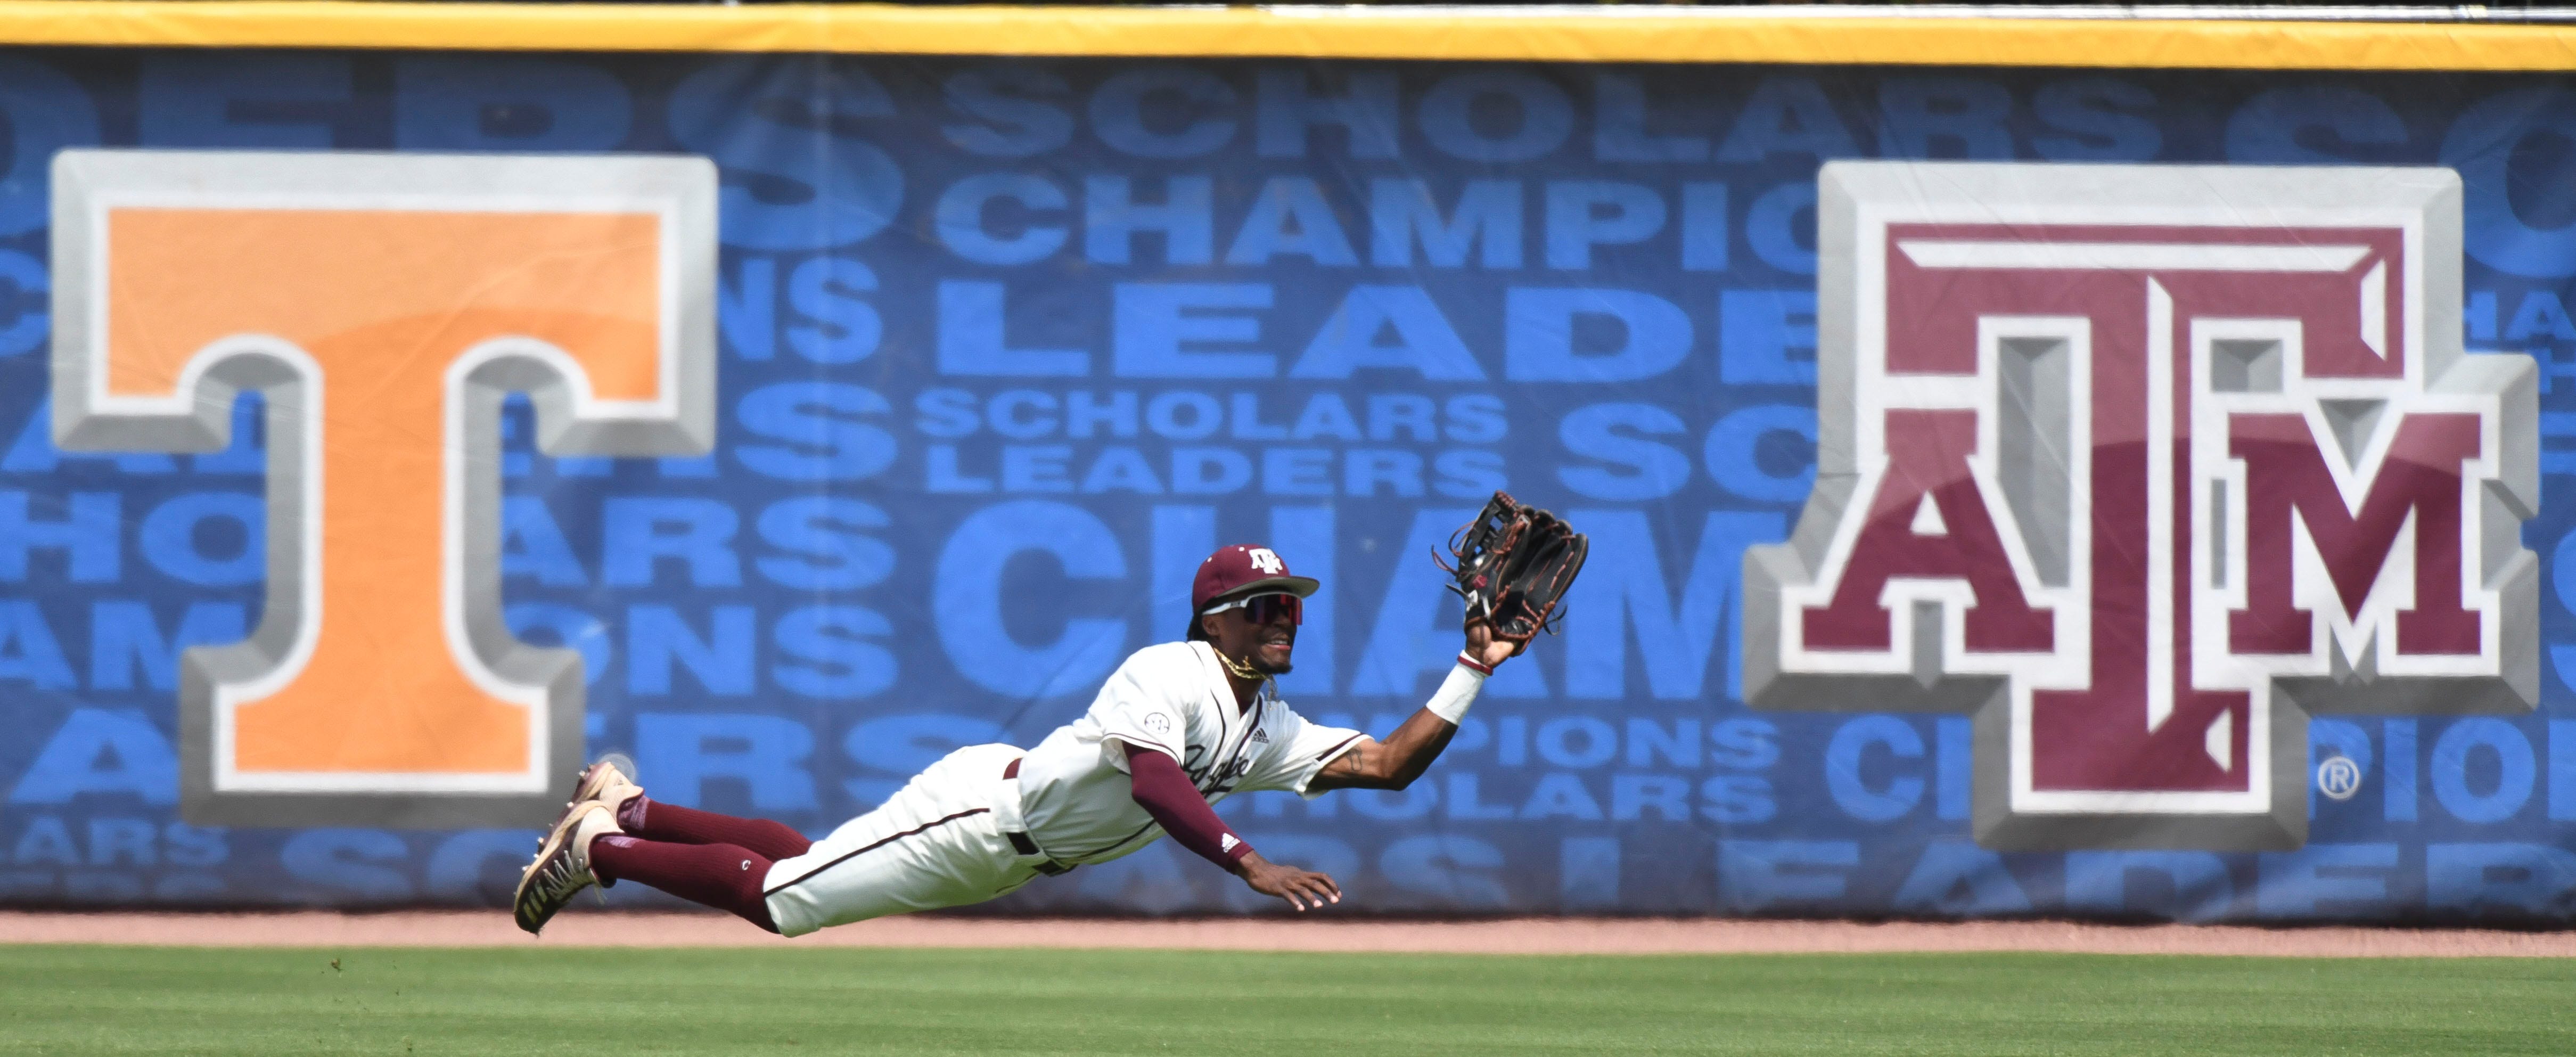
1262,609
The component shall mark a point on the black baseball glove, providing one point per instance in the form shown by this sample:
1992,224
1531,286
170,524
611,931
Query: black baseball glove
1513,565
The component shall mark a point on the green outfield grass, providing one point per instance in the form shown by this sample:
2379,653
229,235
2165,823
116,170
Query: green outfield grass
607,1003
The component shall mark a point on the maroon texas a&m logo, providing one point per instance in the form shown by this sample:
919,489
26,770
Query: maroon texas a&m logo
2142,466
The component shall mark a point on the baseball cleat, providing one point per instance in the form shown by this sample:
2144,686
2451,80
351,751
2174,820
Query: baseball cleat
607,782
562,866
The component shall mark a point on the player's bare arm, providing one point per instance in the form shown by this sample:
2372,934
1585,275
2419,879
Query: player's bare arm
1408,752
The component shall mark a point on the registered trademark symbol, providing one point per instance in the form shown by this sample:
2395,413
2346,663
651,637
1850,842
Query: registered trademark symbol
2338,777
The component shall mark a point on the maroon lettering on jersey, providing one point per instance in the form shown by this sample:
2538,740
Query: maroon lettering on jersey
2142,465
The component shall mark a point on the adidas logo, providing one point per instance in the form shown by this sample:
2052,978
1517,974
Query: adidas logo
1227,843
1261,736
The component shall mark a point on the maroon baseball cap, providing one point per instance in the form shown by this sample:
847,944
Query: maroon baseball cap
1242,571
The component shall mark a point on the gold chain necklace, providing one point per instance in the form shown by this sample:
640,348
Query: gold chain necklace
1238,669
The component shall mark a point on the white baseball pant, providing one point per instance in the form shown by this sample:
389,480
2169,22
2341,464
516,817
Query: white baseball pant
939,842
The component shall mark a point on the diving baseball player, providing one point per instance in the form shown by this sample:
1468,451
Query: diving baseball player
1178,727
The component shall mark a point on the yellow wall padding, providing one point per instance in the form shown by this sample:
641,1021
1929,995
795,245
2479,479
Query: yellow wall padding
1630,34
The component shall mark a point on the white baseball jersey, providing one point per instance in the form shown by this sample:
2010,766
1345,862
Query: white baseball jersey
1173,698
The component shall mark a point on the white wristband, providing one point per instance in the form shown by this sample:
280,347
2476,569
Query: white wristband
1456,693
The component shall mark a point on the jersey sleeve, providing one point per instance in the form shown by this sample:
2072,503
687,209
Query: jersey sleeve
1147,703
1297,752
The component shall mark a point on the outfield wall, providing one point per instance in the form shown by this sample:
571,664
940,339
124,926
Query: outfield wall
895,423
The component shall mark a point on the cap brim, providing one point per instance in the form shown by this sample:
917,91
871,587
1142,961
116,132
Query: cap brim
1300,586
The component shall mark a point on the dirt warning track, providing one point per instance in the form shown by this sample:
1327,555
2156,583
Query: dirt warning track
450,928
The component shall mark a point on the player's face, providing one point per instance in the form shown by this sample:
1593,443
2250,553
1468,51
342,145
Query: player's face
1264,633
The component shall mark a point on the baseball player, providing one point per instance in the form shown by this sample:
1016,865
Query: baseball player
1178,727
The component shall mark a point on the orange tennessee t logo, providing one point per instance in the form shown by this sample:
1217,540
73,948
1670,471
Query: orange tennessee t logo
384,305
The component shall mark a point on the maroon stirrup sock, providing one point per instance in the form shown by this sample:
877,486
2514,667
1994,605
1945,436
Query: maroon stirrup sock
724,876
640,816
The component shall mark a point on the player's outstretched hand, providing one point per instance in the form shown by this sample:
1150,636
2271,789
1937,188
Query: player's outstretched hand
1484,646
1302,889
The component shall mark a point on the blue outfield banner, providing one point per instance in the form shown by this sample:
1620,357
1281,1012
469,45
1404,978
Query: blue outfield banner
985,356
